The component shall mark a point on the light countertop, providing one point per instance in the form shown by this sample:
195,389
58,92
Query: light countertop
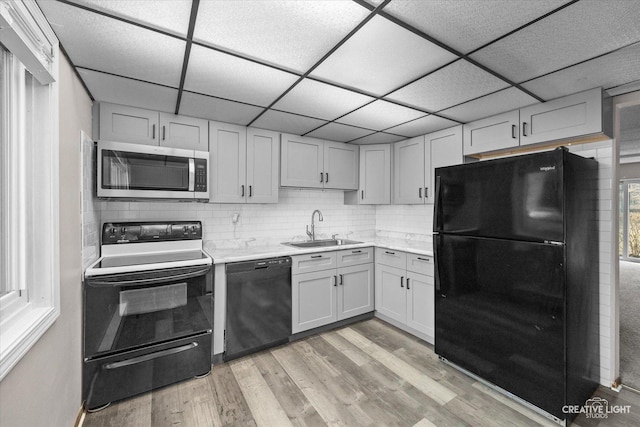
248,253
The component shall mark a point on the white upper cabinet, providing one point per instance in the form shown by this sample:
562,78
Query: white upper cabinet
244,164
446,150
128,124
184,132
121,123
408,171
313,163
491,134
568,117
340,165
263,154
375,176
415,161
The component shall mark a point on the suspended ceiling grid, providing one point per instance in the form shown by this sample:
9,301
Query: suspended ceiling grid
347,70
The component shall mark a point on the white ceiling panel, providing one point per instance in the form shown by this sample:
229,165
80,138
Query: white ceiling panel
208,107
614,69
380,115
489,105
581,31
286,122
168,15
120,90
422,126
380,57
215,73
466,25
315,99
339,132
293,34
449,86
106,44
378,138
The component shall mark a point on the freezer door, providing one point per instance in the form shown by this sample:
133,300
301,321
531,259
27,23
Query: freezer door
518,198
499,313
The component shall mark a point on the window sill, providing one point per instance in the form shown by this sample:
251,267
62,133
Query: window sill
22,333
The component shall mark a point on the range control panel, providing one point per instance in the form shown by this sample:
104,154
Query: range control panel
135,232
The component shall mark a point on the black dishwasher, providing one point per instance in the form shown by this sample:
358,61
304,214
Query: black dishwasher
258,305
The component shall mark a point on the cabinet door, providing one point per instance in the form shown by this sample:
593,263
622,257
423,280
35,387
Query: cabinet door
571,116
340,165
263,155
184,132
228,156
128,124
301,162
313,300
491,134
420,297
408,172
445,147
391,296
355,290
375,174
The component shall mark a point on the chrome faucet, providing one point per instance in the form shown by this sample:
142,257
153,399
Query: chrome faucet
312,233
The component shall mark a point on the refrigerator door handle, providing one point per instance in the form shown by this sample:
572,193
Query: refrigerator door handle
437,222
436,272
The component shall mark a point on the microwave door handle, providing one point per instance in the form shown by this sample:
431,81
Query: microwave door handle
147,281
192,174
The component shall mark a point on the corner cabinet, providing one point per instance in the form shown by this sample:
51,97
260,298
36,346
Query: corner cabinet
415,161
244,164
331,286
313,163
122,123
375,176
404,291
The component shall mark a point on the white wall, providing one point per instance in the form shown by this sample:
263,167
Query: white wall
44,388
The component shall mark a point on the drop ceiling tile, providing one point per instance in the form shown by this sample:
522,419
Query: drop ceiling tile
380,115
282,121
222,110
292,34
378,138
466,25
448,86
120,90
489,105
380,57
581,31
215,73
608,71
422,126
168,15
339,132
106,44
321,100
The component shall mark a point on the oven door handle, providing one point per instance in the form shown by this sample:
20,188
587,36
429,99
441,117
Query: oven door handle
147,357
192,174
150,280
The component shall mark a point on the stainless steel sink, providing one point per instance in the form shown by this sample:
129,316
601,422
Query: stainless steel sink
321,243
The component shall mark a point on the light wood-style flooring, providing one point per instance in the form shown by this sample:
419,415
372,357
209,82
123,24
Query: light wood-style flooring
365,374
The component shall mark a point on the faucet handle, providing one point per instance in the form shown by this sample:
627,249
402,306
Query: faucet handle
333,236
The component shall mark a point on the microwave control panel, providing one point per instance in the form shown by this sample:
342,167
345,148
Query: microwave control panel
201,175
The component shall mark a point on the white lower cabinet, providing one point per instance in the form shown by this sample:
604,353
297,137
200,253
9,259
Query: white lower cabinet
331,293
404,291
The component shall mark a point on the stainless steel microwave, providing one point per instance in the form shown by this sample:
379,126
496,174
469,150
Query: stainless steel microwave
136,171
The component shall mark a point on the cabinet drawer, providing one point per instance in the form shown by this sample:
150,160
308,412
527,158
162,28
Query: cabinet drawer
313,262
392,258
355,256
422,264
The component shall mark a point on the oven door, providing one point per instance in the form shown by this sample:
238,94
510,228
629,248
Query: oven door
142,171
128,311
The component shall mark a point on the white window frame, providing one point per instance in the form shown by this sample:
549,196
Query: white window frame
31,241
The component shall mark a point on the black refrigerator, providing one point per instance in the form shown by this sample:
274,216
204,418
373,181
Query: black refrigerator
516,275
